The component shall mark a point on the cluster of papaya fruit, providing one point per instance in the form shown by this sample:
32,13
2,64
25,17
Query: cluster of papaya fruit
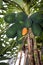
17,20
21,23
37,23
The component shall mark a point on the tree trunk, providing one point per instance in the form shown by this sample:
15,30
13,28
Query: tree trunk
34,56
31,53
19,58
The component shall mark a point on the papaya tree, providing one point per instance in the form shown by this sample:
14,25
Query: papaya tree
25,22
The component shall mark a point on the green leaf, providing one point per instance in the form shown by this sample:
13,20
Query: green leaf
20,2
0,4
3,58
4,64
28,23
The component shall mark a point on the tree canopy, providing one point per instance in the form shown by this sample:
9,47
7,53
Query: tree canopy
14,16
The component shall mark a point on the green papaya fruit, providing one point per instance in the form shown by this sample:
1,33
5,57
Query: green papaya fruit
19,34
15,17
36,29
21,16
28,23
11,31
10,18
21,24
37,17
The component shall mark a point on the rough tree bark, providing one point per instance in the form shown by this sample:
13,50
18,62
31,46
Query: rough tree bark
34,56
